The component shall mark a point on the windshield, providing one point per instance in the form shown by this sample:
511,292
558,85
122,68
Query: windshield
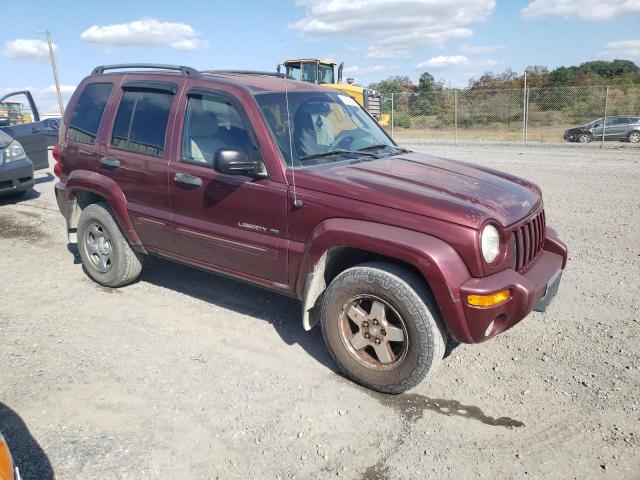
325,127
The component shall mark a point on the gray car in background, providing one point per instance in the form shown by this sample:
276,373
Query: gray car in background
625,128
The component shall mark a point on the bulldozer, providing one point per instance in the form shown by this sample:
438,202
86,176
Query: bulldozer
323,72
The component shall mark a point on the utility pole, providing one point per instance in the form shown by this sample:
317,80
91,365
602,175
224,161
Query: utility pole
54,68
524,111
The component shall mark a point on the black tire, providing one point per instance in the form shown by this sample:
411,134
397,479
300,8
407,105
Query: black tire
633,137
408,296
124,265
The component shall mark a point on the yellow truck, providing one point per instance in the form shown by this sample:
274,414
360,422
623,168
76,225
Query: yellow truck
322,72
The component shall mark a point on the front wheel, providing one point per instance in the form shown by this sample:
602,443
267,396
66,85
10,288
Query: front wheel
585,138
382,327
633,137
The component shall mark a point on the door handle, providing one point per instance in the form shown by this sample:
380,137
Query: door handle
187,180
109,163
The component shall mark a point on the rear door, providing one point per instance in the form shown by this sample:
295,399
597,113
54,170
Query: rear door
234,223
135,153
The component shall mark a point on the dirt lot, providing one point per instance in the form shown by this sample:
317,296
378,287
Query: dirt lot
188,375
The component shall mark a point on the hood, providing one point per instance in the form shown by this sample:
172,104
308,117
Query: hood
450,190
5,139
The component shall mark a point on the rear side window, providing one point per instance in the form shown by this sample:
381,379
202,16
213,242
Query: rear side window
85,121
141,122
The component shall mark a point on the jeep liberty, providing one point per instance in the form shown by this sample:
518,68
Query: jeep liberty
294,187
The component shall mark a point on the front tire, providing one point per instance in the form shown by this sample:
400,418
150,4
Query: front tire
106,255
382,327
633,137
585,138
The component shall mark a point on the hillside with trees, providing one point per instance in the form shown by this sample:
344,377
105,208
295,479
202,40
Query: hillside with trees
562,96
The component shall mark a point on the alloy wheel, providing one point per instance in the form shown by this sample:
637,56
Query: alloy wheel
373,332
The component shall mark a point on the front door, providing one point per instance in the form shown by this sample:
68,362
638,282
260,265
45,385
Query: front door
233,223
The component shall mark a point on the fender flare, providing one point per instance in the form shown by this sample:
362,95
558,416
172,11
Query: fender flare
86,181
440,265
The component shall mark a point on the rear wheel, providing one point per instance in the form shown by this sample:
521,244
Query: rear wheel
106,255
382,327
585,138
633,137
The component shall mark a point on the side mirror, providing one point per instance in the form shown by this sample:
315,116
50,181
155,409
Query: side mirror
231,161
340,72
279,67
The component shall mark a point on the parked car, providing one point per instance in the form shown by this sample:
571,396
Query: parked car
8,471
35,135
16,169
294,187
622,128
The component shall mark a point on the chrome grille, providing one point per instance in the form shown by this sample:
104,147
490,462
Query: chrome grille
528,239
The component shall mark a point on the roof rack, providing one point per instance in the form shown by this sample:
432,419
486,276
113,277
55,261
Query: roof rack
186,71
247,72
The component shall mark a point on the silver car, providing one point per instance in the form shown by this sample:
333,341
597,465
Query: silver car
625,128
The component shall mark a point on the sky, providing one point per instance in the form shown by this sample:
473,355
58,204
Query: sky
454,40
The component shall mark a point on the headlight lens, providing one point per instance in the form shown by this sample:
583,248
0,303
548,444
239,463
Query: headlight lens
490,241
13,152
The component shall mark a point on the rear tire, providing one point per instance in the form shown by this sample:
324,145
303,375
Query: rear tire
106,255
382,327
633,137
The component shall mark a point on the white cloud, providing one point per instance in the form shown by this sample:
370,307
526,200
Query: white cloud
622,49
357,70
383,52
27,49
444,61
593,10
146,32
395,27
478,49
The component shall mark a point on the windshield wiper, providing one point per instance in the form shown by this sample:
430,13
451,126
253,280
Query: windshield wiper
334,152
382,145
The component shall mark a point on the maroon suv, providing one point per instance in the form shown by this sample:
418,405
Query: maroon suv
294,187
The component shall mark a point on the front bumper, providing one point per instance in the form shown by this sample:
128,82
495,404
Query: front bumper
532,290
16,176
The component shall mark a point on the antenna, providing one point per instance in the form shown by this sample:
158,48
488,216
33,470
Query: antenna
297,203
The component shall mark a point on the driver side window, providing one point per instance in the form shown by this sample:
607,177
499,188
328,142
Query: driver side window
212,124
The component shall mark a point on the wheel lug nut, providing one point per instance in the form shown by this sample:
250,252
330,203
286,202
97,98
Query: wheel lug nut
366,335
377,341
365,324
375,322
383,332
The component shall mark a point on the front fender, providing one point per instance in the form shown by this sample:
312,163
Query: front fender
438,262
86,181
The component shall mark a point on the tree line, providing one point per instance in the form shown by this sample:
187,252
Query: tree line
495,97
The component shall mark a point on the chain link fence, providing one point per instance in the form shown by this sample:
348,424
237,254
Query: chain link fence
540,114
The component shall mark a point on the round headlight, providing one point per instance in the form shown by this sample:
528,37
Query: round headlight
490,241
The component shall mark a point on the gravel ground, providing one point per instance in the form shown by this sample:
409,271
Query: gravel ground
188,375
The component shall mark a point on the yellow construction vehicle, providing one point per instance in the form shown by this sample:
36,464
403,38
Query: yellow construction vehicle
322,72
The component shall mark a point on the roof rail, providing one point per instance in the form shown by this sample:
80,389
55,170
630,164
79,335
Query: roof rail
186,71
247,72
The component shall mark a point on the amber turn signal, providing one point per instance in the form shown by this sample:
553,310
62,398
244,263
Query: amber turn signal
490,300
